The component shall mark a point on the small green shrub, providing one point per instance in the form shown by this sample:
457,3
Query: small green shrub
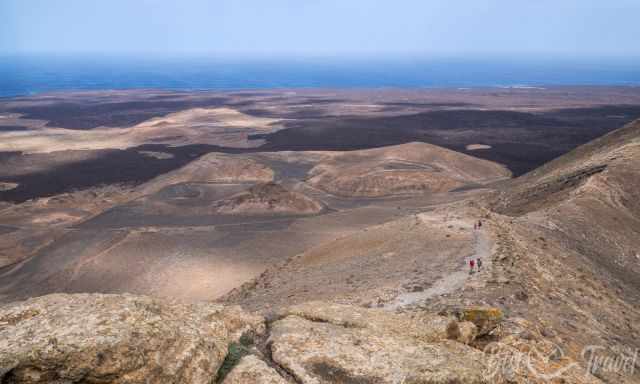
236,352
246,339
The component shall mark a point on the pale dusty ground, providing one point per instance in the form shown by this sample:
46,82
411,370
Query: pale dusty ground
216,126
474,147
452,282
7,186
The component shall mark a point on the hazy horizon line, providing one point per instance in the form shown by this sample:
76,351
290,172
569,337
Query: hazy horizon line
537,56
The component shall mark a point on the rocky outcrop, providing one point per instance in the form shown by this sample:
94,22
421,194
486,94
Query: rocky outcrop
420,325
134,339
126,339
485,319
468,332
115,339
328,343
252,370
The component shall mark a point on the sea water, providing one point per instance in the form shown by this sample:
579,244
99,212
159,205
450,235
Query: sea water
32,74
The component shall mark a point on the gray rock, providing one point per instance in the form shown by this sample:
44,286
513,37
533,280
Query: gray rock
114,339
251,370
366,348
420,325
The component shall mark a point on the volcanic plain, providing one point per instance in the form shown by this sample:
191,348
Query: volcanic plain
193,195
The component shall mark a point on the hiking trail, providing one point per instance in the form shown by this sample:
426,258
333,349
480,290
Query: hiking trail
452,282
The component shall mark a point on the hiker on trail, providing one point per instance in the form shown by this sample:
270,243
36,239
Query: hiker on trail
471,265
479,223
479,262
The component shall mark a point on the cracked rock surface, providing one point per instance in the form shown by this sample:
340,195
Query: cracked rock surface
95,338
329,343
252,370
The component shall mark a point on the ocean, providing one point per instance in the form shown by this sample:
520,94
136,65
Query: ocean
33,74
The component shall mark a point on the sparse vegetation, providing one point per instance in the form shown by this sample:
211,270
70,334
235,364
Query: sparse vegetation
236,351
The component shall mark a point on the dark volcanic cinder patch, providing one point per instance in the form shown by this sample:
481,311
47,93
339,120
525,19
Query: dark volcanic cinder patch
6,229
521,141
298,113
259,112
103,167
451,129
12,128
427,105
6,156
88,115
519,157
316,100
253,93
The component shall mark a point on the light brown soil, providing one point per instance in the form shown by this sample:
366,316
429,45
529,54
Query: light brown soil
414,168
269,198
475,147
8,186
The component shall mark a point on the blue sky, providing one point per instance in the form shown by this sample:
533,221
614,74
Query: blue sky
323,27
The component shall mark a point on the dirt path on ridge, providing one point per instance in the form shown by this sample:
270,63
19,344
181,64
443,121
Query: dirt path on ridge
451,282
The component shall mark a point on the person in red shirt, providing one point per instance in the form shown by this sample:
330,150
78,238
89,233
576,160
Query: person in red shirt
471,265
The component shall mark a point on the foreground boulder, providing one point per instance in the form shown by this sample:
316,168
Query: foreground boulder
252,370
329,343
115,339
419,325
485,319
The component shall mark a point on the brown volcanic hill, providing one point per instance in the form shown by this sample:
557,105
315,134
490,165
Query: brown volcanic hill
269,198
402,169
569,171
591,195
213,168
569,243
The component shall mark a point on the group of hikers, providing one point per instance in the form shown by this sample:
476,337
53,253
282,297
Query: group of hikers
473,263
477,261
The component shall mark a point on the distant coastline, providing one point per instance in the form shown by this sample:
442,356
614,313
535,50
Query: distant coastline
29,75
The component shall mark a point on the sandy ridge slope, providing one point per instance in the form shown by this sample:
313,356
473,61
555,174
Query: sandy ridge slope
401,169
568,241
